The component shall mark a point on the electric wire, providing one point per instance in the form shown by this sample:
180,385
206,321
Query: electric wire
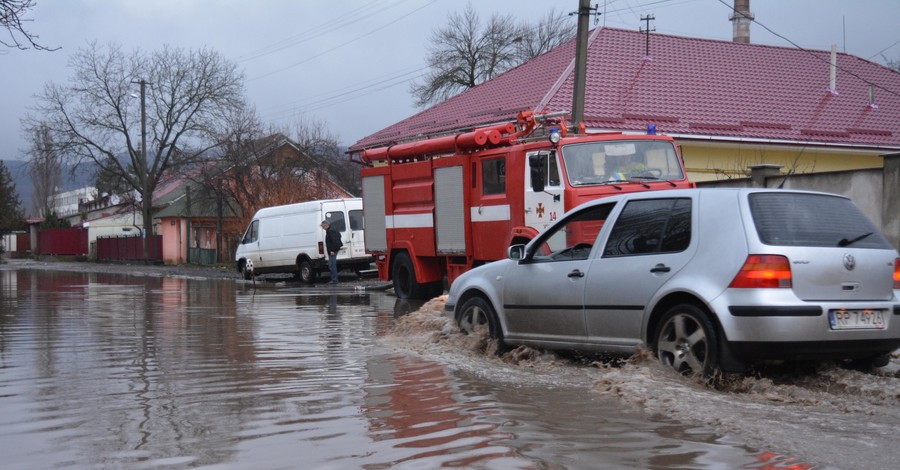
345,94
882,51
339,96
340,22
345,43
817,56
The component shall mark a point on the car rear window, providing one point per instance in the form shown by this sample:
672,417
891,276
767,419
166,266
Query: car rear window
794,219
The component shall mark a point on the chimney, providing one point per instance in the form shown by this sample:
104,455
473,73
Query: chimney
741,18
832,78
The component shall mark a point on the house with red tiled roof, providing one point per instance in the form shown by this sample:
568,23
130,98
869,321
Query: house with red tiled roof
728,105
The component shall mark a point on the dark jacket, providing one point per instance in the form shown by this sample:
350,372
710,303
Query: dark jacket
333,240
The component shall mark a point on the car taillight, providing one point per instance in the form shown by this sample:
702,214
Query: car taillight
764,271
897,273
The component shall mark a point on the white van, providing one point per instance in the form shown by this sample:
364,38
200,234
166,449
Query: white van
289,239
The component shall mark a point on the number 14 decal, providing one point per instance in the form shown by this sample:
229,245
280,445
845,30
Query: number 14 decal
551,215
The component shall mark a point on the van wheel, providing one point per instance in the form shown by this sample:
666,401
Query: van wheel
306,272
405,284
686,341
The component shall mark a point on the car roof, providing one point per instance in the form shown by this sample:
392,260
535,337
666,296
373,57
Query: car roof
698,192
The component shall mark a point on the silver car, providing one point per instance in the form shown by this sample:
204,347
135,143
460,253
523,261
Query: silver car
708,279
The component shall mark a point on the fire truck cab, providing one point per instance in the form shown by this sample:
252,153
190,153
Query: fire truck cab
438,207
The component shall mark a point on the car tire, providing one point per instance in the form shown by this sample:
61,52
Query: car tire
872,362
405,284
476,314
687,341
306,273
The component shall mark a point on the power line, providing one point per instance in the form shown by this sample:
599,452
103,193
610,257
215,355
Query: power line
348,93
340,22
344,43
882,51
814,54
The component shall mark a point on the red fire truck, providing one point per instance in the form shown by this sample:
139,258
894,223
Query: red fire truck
437,207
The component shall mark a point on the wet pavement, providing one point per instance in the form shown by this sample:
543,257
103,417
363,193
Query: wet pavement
111,370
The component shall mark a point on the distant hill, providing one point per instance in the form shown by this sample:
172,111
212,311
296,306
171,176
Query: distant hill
19,171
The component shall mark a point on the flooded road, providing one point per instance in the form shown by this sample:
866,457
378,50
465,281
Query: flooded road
117,371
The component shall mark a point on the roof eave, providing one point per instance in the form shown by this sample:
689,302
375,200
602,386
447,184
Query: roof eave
836,146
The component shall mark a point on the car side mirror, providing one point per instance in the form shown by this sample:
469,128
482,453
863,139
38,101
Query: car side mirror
516,252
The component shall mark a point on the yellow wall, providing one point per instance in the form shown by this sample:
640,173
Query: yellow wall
709,161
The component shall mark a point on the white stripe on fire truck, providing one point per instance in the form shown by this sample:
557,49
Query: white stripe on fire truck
409,221
490,213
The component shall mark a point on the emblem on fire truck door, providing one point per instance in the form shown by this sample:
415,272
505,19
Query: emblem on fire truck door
540,210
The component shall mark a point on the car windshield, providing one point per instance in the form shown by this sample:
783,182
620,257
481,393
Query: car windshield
795,219
593,163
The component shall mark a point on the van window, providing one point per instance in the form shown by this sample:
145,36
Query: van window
336,220
356,220
252,233
795,219
651,226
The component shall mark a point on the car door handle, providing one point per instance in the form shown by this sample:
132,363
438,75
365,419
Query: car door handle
576,273
660,268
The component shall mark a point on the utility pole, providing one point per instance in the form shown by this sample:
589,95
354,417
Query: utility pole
141,166
647,19
581,37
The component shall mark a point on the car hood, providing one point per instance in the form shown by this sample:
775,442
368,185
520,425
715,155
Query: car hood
483,277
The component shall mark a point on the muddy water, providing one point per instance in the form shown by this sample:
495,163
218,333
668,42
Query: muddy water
114,371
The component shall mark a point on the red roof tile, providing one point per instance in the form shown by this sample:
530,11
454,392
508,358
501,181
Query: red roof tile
687,87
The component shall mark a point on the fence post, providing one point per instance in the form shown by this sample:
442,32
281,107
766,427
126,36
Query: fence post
890,216
759,174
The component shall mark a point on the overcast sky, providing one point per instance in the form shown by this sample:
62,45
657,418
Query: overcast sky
350,62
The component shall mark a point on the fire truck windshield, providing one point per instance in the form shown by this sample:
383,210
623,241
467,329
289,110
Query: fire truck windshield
592,163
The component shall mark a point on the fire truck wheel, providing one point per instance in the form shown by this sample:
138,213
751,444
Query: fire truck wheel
306,272
404,278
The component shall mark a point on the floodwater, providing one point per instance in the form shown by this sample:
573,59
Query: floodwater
118,371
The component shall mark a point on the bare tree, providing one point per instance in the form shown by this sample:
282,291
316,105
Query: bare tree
12,17
316,141
171,101
258,168
553,29
467,52
894,64
45,169
11,216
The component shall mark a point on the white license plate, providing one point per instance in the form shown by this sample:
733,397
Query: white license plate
857,319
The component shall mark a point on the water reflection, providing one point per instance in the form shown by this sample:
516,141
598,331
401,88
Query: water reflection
103,370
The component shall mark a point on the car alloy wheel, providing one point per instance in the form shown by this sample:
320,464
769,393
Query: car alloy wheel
477,317
687,341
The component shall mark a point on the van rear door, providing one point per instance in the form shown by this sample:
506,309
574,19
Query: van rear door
357,245
335,213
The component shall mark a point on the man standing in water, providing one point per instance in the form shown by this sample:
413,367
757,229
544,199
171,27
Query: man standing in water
332,245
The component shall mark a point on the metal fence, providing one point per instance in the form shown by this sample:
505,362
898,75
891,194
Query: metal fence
202,256
129,248
62,241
